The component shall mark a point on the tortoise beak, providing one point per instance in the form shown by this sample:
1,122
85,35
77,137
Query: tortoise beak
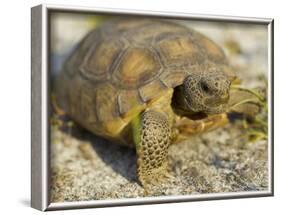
217,100
217,110
224,98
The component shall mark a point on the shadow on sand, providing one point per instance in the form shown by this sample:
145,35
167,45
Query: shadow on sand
122,159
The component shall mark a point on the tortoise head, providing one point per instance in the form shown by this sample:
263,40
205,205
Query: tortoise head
206,92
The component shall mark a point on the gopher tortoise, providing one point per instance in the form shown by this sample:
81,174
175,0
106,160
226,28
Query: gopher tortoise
142,82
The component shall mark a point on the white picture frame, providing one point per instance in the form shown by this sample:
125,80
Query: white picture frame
40,110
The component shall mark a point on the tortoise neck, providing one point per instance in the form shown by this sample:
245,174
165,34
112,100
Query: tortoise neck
179,105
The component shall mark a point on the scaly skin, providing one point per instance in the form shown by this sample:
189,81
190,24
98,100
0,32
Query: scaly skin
152,138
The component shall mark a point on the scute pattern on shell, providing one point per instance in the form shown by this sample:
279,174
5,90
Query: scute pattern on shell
127,63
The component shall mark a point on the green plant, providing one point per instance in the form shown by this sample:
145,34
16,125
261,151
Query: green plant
257,127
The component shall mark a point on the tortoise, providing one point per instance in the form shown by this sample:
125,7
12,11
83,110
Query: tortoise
139,81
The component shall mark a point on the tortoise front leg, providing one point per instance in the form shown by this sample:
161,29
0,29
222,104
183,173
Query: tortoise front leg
185,127
152,138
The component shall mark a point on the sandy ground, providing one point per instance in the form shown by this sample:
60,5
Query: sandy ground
85,167
93,168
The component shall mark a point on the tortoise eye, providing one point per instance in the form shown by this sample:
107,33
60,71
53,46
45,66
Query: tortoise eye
205,87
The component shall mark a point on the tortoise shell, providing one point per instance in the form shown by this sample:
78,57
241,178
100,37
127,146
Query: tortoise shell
119,68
